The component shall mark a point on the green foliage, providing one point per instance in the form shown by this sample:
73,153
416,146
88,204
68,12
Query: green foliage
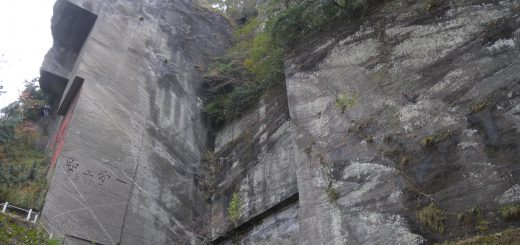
23,163
225,69
254,64
216,110
332,193
482,224
16,233
347,100
251,67
302,18
243,97
433,217
234,208
26,109
33,100
265,61
231,105
510,212
246,33
29,194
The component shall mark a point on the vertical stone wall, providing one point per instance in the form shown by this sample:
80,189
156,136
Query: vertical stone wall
430,117
255,161
126,171
429,94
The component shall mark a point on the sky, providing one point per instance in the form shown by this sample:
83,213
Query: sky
25,38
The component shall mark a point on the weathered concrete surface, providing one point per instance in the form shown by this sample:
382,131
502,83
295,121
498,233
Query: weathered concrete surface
435,119
125,174
255,160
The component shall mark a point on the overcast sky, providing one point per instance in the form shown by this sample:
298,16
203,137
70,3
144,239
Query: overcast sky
25,38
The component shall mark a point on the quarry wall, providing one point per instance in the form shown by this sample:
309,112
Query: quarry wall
409,107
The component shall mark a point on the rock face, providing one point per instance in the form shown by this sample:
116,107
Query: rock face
414,104
128,147
256,161
432,118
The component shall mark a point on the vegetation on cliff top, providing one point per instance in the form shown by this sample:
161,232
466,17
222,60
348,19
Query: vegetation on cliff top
254,64
236,81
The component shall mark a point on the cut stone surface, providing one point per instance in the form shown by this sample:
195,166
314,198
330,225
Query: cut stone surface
434,117
125,174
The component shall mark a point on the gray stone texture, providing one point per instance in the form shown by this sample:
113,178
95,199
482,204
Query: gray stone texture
126,172
255,158
279,228
434,118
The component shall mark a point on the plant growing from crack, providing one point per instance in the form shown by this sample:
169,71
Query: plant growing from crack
346,100
431,140
433,217
479,106
510,212
432,5
208,178
330,190
332,193
234,208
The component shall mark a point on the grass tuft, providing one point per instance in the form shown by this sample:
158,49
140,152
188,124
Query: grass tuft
510,212
346,100
433,217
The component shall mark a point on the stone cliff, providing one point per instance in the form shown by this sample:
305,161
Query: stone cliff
401,127
128,146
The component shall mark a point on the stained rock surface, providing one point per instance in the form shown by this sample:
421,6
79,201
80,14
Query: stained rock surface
408,106
134,138
433,118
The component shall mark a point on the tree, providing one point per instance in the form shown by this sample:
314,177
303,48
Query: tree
20,154
33,100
